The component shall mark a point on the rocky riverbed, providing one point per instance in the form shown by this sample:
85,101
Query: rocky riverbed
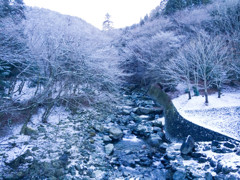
128,143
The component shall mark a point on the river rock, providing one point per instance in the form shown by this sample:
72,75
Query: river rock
29,131
163,147
106,138
115,133
226,170
216,143
229,145
155,140
109,149
208,176
219,167
126,111
238,152
187,146
145,161
99,174
64,158
147,111
179,175
143,130
158,122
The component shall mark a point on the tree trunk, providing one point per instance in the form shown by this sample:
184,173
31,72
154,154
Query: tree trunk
47,113
189,91
189,95
205,91
27,120
206,97
219,92
21,87
12,87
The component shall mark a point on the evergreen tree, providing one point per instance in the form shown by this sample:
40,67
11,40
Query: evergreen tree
107,24
175,5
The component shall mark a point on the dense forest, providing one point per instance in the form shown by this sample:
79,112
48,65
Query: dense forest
49,61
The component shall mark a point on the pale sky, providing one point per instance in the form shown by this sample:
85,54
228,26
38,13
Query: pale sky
123,12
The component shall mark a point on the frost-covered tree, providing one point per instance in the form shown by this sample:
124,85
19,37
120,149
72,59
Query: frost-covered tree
72,65
107,23
209,56
226,20
179,70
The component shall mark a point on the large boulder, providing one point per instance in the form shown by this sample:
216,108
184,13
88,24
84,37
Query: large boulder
188,145
115,133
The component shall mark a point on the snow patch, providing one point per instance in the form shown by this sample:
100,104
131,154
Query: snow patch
26,93
57,114
221,114
131,138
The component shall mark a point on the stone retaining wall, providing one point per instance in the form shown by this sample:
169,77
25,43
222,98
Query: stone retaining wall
177,127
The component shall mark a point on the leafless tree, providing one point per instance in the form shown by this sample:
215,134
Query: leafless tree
209,56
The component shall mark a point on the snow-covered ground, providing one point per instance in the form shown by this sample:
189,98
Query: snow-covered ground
221,114
26,93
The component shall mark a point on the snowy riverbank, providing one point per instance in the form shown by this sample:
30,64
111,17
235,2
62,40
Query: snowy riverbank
221,114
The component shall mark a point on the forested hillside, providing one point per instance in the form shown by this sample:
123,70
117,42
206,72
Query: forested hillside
197,46
48,59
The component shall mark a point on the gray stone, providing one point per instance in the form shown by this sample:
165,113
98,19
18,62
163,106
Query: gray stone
158,174
157,123
99,174
106,138
143,130
129,162
145,117
219,167
238,152
202,160
215,143
115,133
126,111
157,129
35,148
29,131
229,145
208,176
169,156
136,118
232,177
179,175
145,161
72,171
109,149
147,111
163,147
155,140
188,145
59,172
98,128
41,129
9,177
